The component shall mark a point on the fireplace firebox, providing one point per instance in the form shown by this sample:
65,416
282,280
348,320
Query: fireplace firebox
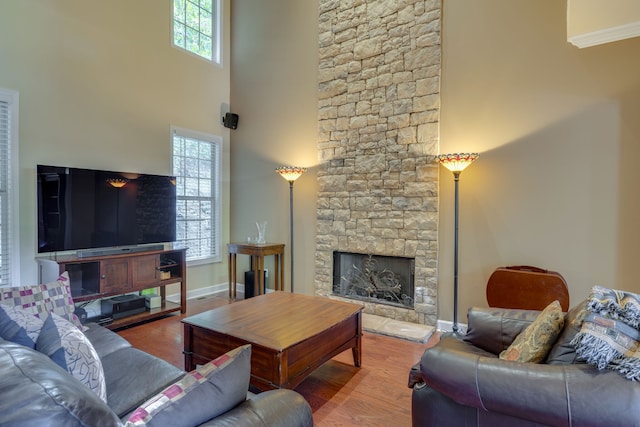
374,278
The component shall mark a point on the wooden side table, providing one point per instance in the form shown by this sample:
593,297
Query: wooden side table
257,251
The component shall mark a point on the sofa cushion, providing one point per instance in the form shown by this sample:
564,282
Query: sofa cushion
133,375
18,326
563,351
37,392
207,392
533,344
104,340
54,297
66,345
494,329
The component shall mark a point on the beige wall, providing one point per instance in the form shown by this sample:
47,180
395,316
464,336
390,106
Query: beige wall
273,89
558,132
100,85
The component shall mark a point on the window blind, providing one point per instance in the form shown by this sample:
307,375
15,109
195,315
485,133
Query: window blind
5,191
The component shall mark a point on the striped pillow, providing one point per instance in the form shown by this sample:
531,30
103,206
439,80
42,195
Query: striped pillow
200,395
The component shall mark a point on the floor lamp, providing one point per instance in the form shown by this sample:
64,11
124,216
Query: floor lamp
290,173
456,163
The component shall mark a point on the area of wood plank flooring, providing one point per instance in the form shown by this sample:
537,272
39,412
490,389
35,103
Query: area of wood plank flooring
376,394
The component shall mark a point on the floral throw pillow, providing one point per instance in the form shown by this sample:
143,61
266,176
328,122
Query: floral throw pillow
200,395
533,344
40,300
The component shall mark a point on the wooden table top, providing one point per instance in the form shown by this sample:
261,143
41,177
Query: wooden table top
245,248
277,320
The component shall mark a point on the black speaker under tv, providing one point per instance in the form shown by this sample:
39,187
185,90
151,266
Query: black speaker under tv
93,209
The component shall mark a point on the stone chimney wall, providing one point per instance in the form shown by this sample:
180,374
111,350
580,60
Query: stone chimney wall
379,112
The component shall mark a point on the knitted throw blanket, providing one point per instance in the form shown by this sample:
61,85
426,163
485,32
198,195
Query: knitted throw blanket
610,334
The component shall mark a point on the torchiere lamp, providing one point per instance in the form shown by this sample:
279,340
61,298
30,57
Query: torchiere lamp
456,163
290,173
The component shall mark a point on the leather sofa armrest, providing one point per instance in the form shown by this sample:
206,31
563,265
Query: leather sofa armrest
554,395
276,408
36,392
494,329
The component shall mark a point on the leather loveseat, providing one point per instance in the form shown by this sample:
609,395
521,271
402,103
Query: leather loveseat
35,391
462,382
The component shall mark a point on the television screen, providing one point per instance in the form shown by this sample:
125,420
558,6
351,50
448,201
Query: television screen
84,208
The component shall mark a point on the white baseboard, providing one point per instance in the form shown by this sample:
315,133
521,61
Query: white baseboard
206,291
221,288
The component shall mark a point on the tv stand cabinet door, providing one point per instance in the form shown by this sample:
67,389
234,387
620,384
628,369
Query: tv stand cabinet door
145,271
115,275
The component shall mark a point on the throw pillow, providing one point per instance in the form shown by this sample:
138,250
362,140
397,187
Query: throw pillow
54,297
66,345
200,395
18,326
533,344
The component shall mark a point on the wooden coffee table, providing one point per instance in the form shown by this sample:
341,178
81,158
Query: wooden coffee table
290,335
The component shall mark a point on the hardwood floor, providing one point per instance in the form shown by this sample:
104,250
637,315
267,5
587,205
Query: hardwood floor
376,394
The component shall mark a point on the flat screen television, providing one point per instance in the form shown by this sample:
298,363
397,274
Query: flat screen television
91,209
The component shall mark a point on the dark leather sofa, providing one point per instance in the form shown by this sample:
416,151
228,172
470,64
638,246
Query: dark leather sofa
34,391
462,382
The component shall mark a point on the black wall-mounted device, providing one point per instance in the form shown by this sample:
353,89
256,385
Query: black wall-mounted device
230,120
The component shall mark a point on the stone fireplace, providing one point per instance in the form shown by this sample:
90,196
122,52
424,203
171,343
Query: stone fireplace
379,110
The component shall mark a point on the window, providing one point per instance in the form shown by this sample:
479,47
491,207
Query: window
196,27
9,267
196,165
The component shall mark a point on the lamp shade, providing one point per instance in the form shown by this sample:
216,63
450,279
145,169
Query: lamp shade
456,162
290,173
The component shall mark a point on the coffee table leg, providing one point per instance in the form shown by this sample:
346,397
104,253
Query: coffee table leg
357,349
357,354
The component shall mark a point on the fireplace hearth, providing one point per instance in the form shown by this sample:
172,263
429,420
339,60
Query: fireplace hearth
374,278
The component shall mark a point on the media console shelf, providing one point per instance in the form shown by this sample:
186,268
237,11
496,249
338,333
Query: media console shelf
106,276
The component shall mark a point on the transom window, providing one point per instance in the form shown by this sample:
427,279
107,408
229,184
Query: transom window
196,27
196,165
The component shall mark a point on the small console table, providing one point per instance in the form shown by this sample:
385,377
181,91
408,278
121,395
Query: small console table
257,251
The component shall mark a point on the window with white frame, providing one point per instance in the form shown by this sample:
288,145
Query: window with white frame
197,167
196,27
9,261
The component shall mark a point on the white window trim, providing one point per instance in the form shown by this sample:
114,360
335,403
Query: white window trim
216,48
12,98
218,202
